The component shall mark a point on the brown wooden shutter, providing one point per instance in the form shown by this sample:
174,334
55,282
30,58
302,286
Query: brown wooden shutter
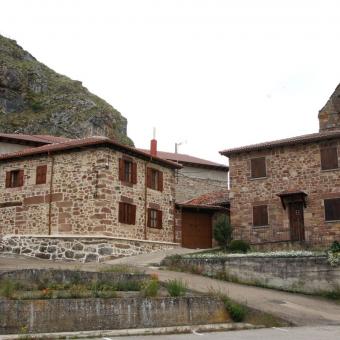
260,215
21,178
149,217
41,174
149,177
159,219
132,218
258,167
121,217
121,169
8,179
134,173
329,158
160,180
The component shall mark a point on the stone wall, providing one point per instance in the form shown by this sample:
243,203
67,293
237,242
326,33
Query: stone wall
83,249
297,274
64,315
288,168
192,184
85,192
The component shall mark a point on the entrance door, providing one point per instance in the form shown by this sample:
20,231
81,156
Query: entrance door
196,230
296,221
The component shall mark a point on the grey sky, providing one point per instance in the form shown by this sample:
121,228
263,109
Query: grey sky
215,73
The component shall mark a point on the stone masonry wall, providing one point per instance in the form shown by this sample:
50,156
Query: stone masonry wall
191,185
298,274
85,193
288,168
82,249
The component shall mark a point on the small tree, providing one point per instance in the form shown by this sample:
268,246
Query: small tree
222,231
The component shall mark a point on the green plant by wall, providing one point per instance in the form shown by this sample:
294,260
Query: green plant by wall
222,231
176,287
239,246
334,254
150,288
237,312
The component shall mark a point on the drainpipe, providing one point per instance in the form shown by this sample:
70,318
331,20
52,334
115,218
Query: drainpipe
50,194
145,201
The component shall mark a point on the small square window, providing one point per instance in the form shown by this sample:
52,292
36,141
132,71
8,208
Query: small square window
332,209
14,178
260,216
329,158
258,167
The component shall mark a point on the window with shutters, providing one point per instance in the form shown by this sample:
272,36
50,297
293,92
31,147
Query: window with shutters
155,179
41,174
329,158
258,167
332,209
127,213
127,171
154,218
260,216
14,178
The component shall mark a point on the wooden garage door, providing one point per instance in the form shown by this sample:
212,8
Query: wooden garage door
196,230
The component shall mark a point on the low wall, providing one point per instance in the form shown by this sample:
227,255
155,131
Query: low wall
310,274
63,315
78,248
69,276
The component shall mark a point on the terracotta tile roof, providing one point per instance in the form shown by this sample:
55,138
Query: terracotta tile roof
189,160
214,198
86,142
34,139
313,137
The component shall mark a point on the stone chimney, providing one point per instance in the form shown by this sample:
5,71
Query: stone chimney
153,144
329,115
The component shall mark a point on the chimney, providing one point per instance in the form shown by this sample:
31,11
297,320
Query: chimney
153,144
329,115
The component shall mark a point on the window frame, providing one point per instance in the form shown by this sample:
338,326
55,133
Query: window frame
14,178
155,179
41,174
267,216
337,218
252,175
155,221
127,174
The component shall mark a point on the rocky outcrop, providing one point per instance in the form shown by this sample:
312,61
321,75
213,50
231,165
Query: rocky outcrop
36,100
329,115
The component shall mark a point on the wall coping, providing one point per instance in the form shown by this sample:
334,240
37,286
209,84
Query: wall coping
254,257
68,236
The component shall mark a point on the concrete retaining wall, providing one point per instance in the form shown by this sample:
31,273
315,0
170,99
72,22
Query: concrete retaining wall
78,248
36,316
298,274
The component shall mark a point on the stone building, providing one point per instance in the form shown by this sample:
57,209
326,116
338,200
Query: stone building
289,189
197,176
84,198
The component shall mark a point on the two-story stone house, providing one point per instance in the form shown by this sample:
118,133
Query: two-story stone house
55,196
289,189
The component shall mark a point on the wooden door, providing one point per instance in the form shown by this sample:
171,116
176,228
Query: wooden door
296,221
196,230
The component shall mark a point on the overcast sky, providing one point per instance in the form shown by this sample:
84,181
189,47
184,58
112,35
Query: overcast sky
216,74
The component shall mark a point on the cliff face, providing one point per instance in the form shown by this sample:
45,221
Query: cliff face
36,100
329,115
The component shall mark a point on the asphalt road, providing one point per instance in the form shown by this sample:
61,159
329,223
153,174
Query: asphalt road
294,333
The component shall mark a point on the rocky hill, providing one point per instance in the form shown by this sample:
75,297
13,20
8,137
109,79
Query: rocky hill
36,100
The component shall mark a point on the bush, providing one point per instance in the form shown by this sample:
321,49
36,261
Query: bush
150,288
237,312
176,287
239,246
222,231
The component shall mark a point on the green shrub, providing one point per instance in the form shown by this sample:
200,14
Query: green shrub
176,287
222,231
237,312
335,247
8,288
150,288
239,246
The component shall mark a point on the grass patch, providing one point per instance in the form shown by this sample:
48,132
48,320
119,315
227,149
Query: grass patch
176,287
150,288
122,268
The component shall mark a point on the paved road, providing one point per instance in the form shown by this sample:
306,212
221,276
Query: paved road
294,333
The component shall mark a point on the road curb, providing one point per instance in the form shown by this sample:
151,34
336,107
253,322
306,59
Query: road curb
138,331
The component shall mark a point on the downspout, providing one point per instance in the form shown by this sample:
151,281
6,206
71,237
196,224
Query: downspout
145,201
50,194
